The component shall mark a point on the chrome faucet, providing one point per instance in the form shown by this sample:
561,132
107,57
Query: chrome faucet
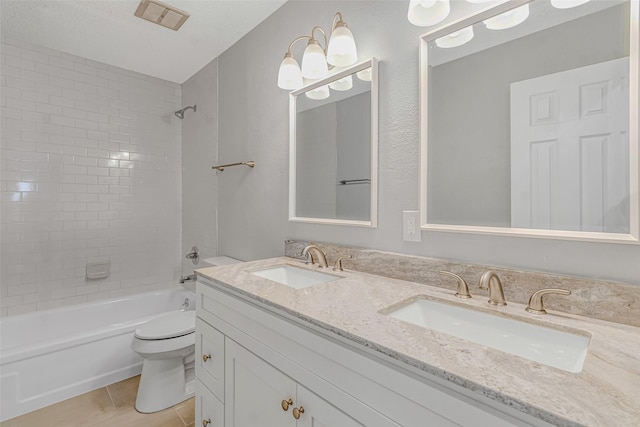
189,278
491,281
308,252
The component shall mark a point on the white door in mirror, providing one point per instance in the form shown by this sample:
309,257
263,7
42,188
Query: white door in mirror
569,136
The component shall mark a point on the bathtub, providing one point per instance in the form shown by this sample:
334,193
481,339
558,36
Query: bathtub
52,355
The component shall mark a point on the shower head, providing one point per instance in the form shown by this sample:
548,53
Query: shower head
180,113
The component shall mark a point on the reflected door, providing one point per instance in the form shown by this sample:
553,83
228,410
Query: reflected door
569,136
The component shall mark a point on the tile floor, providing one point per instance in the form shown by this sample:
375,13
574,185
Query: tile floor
111,406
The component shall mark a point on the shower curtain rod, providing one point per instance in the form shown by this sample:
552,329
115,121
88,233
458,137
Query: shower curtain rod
249,163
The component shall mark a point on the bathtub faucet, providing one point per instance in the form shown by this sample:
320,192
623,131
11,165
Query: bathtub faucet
189,278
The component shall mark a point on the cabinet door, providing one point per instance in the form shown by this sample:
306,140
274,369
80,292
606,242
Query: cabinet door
320,413
210,357
254,391
209,410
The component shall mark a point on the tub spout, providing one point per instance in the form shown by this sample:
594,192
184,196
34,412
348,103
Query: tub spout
189,278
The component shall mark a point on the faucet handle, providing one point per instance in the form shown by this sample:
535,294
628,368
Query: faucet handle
535,305
338,264
463,289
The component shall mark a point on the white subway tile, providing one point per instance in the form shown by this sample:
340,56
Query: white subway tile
21,104
66,198
48,108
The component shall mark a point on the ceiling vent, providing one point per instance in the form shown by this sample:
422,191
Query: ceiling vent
161,14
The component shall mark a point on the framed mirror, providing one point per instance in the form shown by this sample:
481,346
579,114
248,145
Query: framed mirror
529,121
333,148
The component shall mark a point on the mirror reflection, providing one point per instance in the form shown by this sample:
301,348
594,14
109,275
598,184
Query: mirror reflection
527,120
333,147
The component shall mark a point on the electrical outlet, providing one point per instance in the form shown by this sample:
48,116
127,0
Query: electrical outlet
410,227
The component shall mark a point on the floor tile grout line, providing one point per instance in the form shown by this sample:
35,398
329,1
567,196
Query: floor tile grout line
111,398
178,414
113,405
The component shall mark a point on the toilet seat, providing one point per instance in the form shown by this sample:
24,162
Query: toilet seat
168,326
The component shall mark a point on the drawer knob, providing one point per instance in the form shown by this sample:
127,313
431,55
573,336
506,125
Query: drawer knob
297,412
205,423
285,404
206,357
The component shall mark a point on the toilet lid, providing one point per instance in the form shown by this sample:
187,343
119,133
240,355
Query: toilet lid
170,325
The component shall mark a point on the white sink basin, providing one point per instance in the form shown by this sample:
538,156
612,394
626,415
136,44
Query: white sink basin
551,347
295,277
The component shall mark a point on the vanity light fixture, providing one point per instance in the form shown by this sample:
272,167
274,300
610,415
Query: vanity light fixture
340,50
456,39
567,4
428,12
314,60
508,19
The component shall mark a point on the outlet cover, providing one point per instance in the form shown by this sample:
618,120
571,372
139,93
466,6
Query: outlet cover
411,226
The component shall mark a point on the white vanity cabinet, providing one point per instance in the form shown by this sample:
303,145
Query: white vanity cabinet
271,357
258,394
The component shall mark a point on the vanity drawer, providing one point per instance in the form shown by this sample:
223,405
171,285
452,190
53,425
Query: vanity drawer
209,410
210,357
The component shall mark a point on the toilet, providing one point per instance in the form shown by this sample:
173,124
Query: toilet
167,345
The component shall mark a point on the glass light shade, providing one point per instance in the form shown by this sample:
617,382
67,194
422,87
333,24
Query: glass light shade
566,4
508,19
314,63
289,75
319,93
343,84
455,39
364,75
342,47
428,12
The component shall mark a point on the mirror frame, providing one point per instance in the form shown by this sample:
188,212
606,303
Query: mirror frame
373,218
633,237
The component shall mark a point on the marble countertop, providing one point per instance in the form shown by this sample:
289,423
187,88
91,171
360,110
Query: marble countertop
605,393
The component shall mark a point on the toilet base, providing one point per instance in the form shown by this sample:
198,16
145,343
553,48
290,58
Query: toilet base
164,383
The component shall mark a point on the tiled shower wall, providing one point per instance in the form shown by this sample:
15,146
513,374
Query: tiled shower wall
90,166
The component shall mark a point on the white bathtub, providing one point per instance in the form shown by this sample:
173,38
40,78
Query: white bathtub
52,355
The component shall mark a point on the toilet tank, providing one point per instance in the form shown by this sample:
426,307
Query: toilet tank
217,261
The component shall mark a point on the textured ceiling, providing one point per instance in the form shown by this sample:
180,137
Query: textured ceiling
107,31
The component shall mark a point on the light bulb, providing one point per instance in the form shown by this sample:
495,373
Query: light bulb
314,63
508,19
342,47
343,84
455,39
566,4
289,75
319,93
428,12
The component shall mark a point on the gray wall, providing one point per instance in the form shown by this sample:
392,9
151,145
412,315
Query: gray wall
253,125
199,154
354,157
316,160
473,159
